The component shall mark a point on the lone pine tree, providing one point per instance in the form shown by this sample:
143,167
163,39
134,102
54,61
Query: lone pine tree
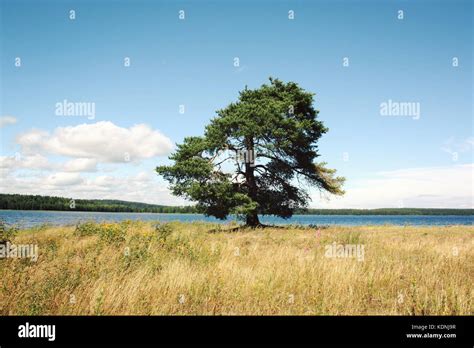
257,156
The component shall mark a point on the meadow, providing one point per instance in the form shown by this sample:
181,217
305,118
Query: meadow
144,268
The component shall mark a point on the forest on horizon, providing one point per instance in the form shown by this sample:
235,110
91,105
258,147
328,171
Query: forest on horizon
37,202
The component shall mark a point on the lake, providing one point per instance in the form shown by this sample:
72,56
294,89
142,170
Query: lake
29,218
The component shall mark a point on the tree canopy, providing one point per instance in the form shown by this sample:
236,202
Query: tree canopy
257,156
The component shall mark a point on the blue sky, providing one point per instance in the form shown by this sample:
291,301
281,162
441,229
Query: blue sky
387,160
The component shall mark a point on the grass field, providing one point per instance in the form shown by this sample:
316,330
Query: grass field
192,268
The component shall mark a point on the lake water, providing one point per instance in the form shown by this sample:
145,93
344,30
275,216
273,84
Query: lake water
29,218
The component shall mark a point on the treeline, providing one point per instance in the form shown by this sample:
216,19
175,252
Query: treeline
30,202
388,211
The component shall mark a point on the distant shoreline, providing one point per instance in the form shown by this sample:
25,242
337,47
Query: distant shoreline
340,212
48,203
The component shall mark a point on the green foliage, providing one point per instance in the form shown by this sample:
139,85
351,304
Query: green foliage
163,231
110,233
113,233
7,232
276,127
86,229
35,202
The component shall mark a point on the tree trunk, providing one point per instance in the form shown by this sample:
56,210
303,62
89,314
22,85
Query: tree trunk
252,217
252,220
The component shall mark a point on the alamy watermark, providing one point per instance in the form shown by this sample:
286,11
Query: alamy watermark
37,331
68,108
394,108
246,156
19,251
355,251
240,156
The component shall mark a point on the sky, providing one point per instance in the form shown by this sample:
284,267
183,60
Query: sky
151,77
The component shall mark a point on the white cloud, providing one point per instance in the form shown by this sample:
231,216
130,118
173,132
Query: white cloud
40,162
80,165
141,187
101,141
62,179
7,162
85,147
455,145
7,120
438,187
26,162
35,162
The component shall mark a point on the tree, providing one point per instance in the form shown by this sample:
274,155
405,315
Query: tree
255,157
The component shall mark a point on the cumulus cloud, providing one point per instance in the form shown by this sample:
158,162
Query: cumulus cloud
65,162
101,141
80,165
140,187
7,120
62,179
437,187
9,164
35,161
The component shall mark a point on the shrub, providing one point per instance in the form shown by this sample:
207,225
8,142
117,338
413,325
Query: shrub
163,230
7,232
88,228
112,233
107,232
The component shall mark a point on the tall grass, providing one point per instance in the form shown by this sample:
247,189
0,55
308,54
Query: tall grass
198,268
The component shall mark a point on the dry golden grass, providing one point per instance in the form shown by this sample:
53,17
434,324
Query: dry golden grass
185,269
